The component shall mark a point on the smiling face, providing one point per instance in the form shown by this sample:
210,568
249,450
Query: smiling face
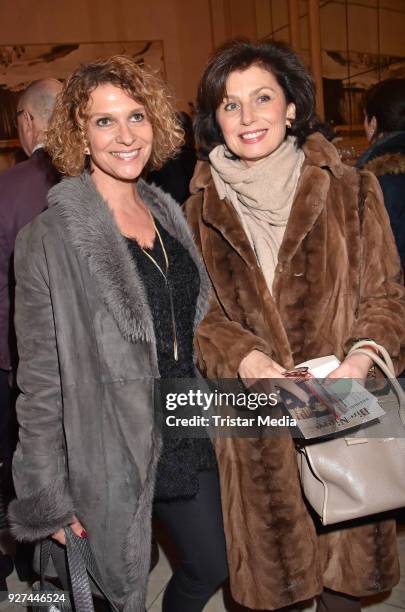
254,114
119,135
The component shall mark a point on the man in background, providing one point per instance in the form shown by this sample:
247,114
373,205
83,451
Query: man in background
23,190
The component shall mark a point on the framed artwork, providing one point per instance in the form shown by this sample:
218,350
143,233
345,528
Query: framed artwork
22,64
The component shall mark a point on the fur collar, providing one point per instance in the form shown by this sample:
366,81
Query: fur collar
321,162
390,163
318,152
92,232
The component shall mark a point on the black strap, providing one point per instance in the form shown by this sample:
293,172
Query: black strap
81,565
46,547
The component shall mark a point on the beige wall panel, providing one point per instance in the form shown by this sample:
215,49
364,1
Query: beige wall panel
279,11
363,29
304,32
392,32
243,18
263,18
366,3
333,28
398,5
84,20
195,44
183,26
303,7
220,21
282,34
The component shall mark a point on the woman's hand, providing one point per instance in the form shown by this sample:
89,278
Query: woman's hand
257,365
354,366
75,526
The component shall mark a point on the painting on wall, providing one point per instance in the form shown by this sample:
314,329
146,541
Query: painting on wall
21,64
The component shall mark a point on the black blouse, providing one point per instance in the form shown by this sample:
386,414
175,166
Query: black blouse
181,459
184,283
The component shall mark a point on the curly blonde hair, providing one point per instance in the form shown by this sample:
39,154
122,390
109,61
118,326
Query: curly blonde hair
66,135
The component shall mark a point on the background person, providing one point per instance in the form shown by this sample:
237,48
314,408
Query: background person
23,190
276,214
175,176
384,125
109,289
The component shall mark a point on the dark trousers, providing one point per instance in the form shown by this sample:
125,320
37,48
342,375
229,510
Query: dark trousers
6,411
330,601
8,440
195,526
5,452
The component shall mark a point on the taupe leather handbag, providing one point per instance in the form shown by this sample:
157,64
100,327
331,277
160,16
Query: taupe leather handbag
352,477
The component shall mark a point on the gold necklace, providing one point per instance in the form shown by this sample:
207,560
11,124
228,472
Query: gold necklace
169,290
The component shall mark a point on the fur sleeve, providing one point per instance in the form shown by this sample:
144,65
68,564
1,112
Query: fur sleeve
43,502
41,514
221,342
381,310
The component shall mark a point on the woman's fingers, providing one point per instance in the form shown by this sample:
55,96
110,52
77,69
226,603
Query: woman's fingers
75,526
59,536
258,365
259,371
78,529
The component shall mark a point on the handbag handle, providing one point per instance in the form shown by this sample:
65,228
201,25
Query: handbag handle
79,580
81,564
384,362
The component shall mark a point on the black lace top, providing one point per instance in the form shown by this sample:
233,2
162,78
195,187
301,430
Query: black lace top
181,458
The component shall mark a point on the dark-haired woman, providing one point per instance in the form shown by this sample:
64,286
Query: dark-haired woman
384,124
276,216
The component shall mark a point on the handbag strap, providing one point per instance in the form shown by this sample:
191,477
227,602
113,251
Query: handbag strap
45,555
360,344
81,564
384,362
79,580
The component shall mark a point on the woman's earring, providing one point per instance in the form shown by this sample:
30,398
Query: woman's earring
288,123
86,151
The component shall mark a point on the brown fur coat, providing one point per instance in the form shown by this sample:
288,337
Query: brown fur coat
318,308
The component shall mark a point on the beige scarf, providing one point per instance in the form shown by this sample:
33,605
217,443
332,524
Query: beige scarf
262,195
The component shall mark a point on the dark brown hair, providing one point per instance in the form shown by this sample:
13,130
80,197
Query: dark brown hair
386,102
66,136
239,54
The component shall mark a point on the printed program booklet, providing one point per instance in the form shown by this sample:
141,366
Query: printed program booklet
335,405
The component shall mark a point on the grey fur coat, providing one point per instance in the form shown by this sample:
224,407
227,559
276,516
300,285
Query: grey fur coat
87,368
